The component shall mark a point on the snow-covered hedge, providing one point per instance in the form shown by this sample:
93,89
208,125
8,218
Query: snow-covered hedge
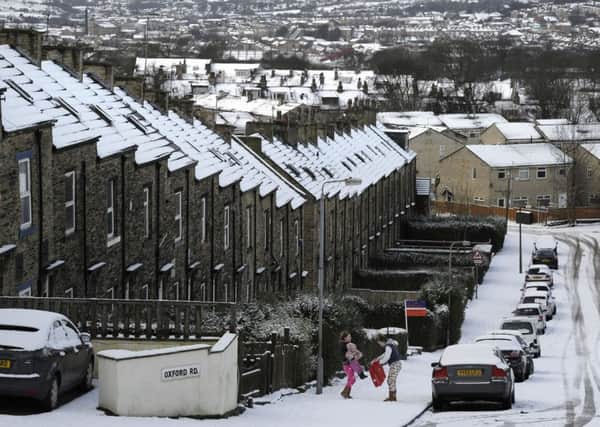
476,229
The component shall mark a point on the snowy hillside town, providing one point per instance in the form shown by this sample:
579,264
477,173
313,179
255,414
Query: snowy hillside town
285,213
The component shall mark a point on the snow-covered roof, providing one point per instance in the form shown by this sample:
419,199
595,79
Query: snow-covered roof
593,149
38,321
468,354
569,132
513,131
366,153
544,122
470,121
409,119
515,155
83,109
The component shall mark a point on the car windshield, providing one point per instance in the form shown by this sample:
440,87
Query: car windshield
535,270
533,300
527,311
545,252
518,326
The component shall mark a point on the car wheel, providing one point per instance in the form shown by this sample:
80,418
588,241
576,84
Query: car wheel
539,353
50,402
507,402
554,311
86,383
519,375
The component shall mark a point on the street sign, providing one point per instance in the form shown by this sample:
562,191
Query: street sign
477,258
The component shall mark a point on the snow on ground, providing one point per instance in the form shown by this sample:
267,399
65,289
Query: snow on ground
563,391
565,388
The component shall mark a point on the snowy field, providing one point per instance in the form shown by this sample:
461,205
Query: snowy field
564,390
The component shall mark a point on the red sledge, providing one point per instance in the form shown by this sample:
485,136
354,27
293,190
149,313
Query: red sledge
377,373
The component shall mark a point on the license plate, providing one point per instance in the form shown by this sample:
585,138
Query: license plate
5,364
469,372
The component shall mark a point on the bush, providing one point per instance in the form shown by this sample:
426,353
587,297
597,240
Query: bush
451,228
437,296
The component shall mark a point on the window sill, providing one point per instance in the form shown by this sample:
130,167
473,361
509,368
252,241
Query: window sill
24,232
113,241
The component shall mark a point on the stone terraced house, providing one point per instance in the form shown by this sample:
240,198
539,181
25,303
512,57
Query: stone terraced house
105,196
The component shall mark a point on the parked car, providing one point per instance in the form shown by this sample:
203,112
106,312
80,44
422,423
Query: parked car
512,352
535,312
42,354
518,337
539,272
545,252
472,372
541,287
541,297
528,329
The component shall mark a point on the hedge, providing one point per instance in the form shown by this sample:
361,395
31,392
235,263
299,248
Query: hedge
451,228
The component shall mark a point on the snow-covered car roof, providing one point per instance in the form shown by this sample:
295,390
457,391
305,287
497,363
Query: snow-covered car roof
529,292
460,354
499,342
515,319
540,267
529,305
505,332
24,329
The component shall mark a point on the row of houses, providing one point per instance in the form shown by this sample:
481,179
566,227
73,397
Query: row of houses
483,159
104,195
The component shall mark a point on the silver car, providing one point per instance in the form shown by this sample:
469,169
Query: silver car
472,372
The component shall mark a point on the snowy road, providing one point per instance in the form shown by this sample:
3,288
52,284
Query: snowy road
565,389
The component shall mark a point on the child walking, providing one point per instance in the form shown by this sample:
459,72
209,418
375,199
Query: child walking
391,356
350,356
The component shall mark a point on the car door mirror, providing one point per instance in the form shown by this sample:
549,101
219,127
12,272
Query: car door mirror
85,337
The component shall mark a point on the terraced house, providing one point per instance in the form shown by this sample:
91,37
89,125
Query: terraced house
106,196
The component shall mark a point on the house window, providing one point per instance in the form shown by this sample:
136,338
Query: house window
297,236
176,286
25,292
69,202
442,150
281,237
110,209
478,199
501,202
595,199
561,171
226,227
146,291
474,173
203,219
248,227
69,293
501,173
146,212
543,200
524,174
25,192
267,228
541,173
178,216
520,201
589,172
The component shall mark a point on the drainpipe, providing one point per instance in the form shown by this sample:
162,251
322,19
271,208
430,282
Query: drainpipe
186,270
38,139
212,233
84,237
157,235
123,228
233,221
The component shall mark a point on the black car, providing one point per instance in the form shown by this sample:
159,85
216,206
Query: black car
42,354
547,256
472,372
